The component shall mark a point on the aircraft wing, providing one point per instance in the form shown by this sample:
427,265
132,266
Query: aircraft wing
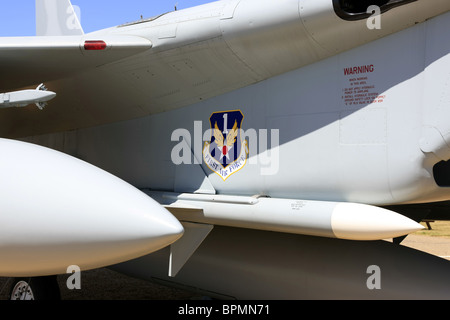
26,61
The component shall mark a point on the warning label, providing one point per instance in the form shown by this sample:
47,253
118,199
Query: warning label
359,89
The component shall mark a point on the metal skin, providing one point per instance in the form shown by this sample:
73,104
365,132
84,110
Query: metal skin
332,111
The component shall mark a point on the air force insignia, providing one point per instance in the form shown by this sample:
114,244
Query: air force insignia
226,153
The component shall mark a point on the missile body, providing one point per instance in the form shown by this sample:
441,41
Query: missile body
57,211
25,97
350,221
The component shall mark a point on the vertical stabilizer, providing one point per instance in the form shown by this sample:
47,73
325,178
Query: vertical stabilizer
57,18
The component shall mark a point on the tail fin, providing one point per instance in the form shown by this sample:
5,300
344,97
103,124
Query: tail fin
57,18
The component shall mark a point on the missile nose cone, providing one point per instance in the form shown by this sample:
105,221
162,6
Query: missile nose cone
51,95
134,226
148,223
364,222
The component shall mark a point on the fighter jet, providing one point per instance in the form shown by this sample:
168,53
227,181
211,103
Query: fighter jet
251,149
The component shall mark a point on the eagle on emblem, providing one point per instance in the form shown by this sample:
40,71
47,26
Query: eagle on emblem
230,140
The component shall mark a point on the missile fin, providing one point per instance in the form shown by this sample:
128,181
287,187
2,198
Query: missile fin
184,248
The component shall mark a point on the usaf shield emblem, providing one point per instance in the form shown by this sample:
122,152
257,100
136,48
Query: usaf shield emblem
226,153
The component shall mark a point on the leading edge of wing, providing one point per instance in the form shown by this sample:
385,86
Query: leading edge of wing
25,61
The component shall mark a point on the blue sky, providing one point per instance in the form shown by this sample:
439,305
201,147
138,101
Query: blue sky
18,16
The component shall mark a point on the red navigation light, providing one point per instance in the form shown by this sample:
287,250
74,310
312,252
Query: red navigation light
95,45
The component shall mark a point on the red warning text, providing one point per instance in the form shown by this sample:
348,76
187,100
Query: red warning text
358,70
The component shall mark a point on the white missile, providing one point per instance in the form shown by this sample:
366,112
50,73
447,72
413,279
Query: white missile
40,96
350,221
57,211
